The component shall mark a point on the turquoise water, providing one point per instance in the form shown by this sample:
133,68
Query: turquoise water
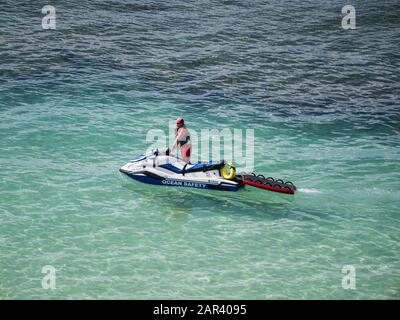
77,102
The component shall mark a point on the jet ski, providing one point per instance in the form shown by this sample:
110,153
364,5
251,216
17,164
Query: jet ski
154,168
160,169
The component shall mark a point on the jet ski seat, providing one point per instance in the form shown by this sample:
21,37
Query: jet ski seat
201,166
204,166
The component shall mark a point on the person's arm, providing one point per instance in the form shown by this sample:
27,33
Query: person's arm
175,143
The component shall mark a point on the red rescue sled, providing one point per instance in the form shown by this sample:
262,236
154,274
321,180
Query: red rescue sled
267,183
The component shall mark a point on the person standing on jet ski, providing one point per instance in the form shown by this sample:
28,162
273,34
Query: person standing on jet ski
182,139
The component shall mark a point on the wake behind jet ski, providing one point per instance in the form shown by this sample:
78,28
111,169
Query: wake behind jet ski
167,170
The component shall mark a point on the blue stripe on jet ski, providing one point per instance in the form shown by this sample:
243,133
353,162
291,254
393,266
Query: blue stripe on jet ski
197,167
223,187
172,168
206,166
177,183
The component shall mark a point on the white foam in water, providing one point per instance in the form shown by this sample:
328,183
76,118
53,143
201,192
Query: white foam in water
306,190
